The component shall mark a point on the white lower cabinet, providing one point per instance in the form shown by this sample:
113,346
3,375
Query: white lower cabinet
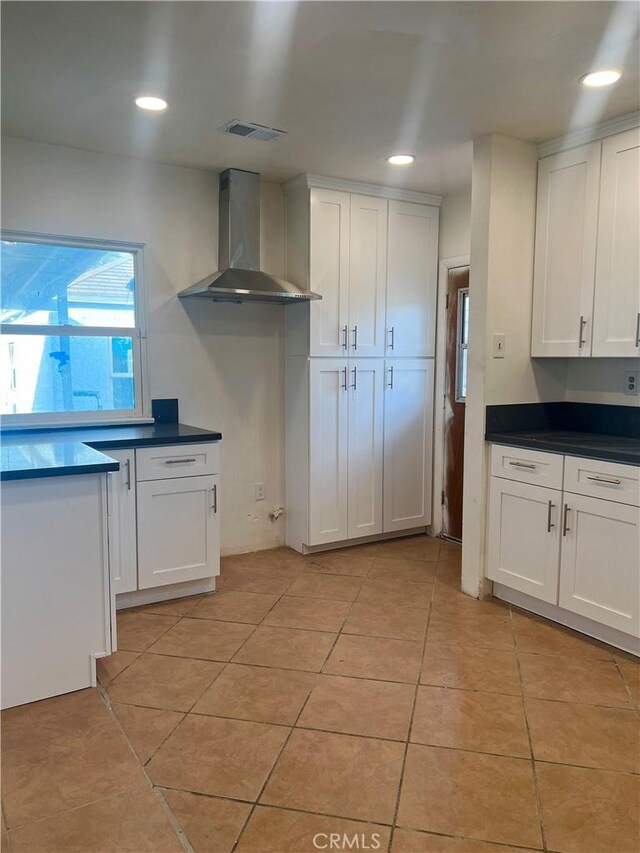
178,530
408,442
524,538
565,546
359,448
123,545
164,525
600,566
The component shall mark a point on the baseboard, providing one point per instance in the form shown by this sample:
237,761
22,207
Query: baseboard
604,633
164,593
364,540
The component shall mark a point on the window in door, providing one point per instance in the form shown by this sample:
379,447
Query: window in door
462,345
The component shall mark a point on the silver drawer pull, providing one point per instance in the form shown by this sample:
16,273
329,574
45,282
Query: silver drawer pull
565,520
612,481
550,524
531,467
179,461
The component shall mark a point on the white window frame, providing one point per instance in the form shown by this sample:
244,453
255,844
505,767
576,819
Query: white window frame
142,410
461,345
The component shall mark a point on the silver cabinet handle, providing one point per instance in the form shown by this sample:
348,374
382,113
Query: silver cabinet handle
612,481
581,340
550,524
355,378
392,335
215,500
344,378
128,464
638,330
531,467
355,336
179,461
345,337
565,520
390,383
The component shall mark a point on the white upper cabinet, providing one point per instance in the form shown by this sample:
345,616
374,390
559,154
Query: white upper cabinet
616,319
411,279
565,252
329,272
372,258
367,275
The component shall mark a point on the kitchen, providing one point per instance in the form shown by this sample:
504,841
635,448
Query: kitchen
340,635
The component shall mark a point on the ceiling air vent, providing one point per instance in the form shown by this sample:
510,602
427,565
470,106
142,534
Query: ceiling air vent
251,130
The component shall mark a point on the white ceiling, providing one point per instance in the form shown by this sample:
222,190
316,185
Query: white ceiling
350,81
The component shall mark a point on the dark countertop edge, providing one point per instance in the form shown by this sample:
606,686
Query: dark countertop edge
556,447
60,471
153,441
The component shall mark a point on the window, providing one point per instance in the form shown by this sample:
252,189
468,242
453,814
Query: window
70,331
462,345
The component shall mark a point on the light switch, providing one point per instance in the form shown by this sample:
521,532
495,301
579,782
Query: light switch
498,345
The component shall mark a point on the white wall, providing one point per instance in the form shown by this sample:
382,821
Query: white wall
455,224
599,380
224,362
501,277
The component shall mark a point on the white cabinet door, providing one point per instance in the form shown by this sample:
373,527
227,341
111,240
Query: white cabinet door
408,431
367,275
365,417
328,438
600,570
616,316
411,279
523,547
178,530
123,548
565,252
329,272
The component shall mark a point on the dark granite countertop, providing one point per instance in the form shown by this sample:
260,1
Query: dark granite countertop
51,459
611,448
53,453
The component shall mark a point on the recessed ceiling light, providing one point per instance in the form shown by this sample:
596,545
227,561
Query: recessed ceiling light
149,102
400,159
601,78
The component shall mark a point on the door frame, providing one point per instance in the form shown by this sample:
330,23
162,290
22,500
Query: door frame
444,265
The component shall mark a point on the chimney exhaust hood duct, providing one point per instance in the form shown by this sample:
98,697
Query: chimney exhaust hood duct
239,278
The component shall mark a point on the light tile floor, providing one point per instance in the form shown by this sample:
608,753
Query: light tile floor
356,693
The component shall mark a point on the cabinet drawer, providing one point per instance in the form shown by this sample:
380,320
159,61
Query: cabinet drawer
527,466
609,480
177,460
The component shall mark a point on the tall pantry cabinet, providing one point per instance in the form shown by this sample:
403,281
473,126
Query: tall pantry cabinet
360,361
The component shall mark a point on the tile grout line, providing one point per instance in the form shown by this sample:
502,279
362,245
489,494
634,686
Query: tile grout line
291,730
530,739
412,715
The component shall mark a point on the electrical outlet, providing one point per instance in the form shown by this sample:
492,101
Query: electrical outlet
631,382
258,490
499,343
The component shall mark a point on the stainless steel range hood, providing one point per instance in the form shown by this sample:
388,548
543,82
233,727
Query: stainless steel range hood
239,278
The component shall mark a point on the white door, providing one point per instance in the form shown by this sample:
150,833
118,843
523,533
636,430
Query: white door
408,443
523,537
178,530
367,275
328,436
329,272
123,548
565,252
599,574
365,418
411,279
616,316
